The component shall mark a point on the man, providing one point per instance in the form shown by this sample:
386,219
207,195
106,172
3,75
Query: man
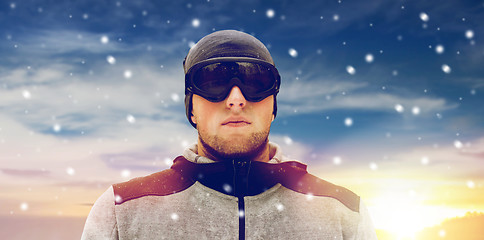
232,184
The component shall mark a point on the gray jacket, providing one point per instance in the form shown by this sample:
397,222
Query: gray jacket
199,199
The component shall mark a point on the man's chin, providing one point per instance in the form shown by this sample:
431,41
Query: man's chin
235,147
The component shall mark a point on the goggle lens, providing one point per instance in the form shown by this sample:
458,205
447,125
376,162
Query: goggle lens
214,81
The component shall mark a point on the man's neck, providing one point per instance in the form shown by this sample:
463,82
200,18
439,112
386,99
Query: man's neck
262,156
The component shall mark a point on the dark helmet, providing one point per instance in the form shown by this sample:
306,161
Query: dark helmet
224,44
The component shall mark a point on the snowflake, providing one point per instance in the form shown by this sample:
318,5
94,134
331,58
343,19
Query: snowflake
337,160
270,13
196,23
104,39
288,140
26,94
292,52
469,34
175,97
416,110
369,58
446,68
126,173
471,184
424,17
57,127
439,49
351,70
227,188
279,207
424,160
70,171
399,108
130,118
128,74
309,196
111,60
24,206
174,216
373,166
458,144
348,122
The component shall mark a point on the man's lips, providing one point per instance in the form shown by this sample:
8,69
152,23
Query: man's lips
236,121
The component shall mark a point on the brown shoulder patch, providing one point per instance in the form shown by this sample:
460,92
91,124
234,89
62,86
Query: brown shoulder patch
299,180
310,184
158,184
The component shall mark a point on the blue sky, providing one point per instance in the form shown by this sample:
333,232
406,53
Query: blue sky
91,92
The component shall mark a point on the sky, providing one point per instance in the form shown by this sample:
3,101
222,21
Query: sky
382,97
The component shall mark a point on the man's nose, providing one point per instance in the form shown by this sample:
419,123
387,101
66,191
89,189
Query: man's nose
235,99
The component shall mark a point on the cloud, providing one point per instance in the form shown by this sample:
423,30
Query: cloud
318,96
26,173
143,159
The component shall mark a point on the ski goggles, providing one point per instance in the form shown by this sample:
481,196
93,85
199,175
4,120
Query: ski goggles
213,79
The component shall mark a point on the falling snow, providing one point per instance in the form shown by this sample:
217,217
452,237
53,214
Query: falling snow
227,188
24,206
70,171
399,108
469,34
126,173
270,13
337,160
439,49
373,166
446,68
128,74
292,52
415,110
425,160
288,140
111,60
309,196
279,207
348,122
471,184
104,40
57,127
26,94
424,17
369,58
175,97
458,144
196,23
350,69
442,233
130,118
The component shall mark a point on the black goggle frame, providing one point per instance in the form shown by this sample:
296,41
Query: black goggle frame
232,80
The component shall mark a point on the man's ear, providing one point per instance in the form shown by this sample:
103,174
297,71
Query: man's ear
273,117
194,119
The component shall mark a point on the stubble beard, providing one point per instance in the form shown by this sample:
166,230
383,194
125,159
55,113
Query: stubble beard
229,149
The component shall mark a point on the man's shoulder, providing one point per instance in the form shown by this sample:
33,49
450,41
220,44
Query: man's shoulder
314,186
162,183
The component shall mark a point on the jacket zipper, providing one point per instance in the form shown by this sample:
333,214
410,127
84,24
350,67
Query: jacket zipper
241,218
241,172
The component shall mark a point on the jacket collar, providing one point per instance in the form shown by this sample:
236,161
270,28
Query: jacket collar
240,178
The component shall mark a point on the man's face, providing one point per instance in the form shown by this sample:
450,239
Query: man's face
234,127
